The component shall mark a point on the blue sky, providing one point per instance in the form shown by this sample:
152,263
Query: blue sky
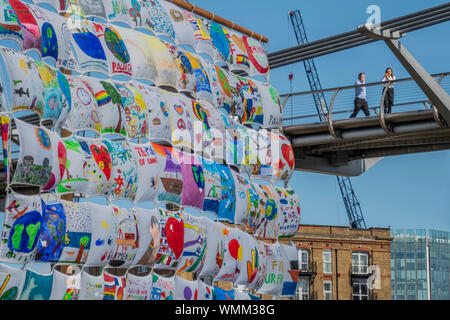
409,191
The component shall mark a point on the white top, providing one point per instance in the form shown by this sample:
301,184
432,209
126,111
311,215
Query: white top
388,81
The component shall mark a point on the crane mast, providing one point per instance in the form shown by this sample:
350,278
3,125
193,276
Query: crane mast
352,206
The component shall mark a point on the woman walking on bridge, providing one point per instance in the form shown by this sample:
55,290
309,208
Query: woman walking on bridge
389,87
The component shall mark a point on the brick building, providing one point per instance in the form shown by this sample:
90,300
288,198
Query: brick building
336,262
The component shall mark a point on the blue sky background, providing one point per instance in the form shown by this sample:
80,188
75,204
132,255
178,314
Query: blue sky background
409,191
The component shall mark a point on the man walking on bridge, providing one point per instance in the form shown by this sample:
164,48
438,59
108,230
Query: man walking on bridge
360,96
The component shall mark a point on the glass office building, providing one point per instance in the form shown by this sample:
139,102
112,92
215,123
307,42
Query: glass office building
420,264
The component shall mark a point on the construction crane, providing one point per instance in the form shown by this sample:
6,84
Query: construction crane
352,206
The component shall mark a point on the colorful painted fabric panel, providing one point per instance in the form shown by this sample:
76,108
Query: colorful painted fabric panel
30,28
25,82
136,113
274,276
36,286
10,28
239,57
290,265
87,8
51,240
103,235
163,288
186,78
166,67
172,240
257,57
182,119
220,42
161,24
22,227
92,287
138,12
42,160
84,112
127,237
149,236
203,43
74,178
267,152
221,294
78,237
239,100
170,178
117,11
117,53
251,266
284,167
149,168
52,92
254,214
203,124
138,287
194,244
114,286
124,176
220,86
232,255
141,59
268,227
66,99
159,120
11,282
213,186
203,87
289,212
90,53
252,101
214,84
49,42
205,292
181,26
193,193
242,186
66,57
221,124
65,287
185,289
227,206
98,169
271,103
215,249
238,146
109,107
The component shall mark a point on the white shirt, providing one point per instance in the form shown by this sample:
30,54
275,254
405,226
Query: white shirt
388,81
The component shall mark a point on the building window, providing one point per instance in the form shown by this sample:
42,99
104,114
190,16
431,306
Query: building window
326,261
360,290
302,292
303,259
327,290
360,262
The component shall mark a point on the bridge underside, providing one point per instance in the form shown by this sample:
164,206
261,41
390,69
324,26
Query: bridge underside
350,147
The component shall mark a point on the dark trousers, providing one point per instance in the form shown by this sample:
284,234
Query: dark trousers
388,100
360,104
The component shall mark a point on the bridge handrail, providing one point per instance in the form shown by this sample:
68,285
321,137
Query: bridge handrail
288,95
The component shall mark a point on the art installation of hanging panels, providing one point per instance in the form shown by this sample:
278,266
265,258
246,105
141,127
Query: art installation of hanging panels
140,104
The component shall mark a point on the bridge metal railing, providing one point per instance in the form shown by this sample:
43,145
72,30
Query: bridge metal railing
299,108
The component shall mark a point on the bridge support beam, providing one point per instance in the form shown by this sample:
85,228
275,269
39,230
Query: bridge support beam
438,97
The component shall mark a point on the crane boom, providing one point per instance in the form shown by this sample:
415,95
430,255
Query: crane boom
352,206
